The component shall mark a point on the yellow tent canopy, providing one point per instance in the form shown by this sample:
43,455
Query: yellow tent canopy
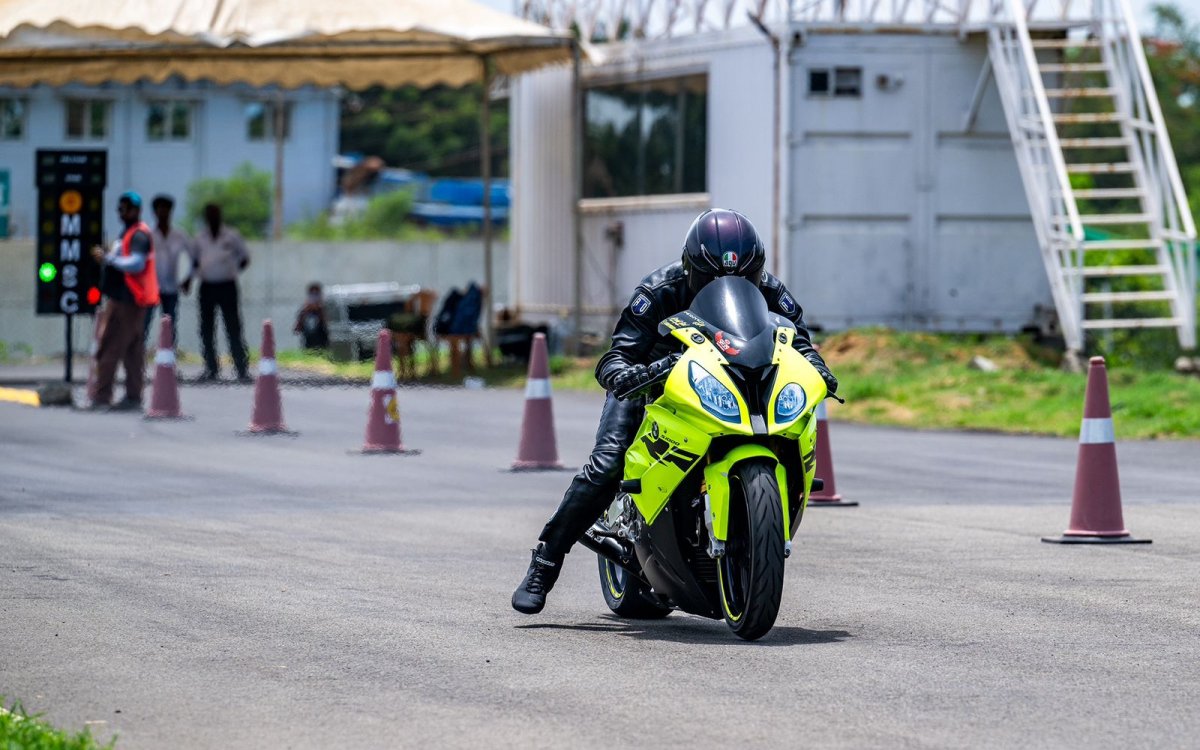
277,43
287,43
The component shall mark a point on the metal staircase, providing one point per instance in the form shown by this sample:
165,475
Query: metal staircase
1108,205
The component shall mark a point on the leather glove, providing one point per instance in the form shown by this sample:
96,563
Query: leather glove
831,383
634,378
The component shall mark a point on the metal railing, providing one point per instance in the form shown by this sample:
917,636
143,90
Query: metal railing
1040,158
1150,149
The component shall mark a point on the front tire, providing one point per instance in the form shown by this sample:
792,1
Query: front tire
750,573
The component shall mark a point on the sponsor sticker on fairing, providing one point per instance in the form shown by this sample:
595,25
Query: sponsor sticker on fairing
728,344
640,304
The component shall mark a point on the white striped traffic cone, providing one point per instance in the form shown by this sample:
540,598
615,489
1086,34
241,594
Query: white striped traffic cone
827,495
1096,516
383,417
266,418
539,448
164,395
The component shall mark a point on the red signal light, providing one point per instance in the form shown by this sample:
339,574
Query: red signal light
93,296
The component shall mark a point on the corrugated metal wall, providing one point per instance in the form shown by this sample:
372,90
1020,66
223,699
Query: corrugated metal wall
898,216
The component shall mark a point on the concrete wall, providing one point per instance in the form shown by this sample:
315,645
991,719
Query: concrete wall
273,286
218,144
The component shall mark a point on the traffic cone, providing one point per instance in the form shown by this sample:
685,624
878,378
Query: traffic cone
267,415
827,495
164,395
383,417
1096,503
538,449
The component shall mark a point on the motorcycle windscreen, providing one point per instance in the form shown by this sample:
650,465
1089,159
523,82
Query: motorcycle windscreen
734,305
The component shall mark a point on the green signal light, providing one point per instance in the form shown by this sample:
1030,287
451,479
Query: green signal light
47,272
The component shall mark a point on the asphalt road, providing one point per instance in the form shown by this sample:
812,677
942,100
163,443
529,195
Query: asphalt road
184,587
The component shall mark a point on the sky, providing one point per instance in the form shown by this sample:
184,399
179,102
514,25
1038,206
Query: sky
1141,7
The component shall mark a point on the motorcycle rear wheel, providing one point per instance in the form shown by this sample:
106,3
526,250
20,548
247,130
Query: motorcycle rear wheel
628,597
750,574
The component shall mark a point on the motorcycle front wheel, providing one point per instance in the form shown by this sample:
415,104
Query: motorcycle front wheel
750,573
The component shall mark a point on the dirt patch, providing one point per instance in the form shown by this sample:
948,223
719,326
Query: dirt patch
875,349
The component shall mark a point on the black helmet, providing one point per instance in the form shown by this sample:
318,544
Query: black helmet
721,242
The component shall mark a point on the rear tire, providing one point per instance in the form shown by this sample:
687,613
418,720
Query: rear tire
750,574
627,596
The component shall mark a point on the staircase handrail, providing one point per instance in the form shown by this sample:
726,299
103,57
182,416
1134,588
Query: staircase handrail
1029,58
1166,153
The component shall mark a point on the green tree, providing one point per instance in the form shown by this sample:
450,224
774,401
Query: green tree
244,198
428,130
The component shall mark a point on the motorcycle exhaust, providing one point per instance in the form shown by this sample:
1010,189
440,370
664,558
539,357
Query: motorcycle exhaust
599,540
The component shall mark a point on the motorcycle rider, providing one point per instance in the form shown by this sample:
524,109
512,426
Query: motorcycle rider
720,242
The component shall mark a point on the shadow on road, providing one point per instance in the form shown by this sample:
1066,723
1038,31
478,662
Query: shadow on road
683,629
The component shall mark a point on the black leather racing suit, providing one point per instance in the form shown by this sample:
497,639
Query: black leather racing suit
636,341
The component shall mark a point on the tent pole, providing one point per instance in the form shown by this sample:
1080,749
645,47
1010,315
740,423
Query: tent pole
485,159
277,199
577,186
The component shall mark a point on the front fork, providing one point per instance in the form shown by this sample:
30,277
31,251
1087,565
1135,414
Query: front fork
717,493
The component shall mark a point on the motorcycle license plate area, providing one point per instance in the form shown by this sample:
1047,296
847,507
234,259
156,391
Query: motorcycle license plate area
665,449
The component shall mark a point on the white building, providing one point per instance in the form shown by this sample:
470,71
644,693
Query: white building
926,173
162,138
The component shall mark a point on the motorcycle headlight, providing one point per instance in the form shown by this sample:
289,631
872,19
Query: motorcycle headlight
790,402
714,397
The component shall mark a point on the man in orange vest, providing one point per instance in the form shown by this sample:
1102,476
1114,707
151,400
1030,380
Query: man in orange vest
130,287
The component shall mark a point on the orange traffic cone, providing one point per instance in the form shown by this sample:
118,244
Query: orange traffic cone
164,396
827,495
1096,503
383,417
538,449
267,415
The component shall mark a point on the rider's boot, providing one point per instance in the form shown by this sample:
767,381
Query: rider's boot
530,596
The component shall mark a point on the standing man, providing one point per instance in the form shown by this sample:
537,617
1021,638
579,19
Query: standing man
170,243
130,289
220,255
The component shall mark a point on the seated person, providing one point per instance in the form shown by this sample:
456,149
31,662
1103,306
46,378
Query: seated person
310,321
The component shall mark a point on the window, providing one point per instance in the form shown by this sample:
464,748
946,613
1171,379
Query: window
646,138
840,82
847,81
87,119
12,119
260,121
818,82
168,121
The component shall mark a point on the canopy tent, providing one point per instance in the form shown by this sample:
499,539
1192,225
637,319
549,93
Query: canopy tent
277,43
287,43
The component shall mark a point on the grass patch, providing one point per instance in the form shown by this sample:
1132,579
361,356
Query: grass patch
20,731
924,380
568,373
918,380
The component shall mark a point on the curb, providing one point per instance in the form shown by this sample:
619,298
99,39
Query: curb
20,396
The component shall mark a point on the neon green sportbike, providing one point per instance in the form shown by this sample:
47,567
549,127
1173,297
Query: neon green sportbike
718,476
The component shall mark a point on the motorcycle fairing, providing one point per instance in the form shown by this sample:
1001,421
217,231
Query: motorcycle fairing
716,478
664,450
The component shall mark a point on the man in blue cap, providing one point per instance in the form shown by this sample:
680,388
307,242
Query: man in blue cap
130,288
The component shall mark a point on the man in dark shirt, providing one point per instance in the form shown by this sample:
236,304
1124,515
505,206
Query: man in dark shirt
130,288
